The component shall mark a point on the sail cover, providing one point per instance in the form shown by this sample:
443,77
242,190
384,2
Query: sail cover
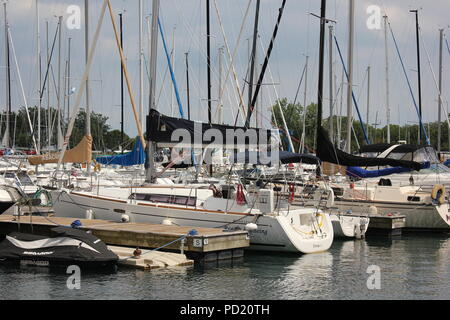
363,173
136,156
265,158
326,151
169,132
81,153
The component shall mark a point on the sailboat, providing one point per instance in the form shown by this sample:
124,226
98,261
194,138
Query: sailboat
301,230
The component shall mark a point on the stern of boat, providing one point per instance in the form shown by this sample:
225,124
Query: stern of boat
309,230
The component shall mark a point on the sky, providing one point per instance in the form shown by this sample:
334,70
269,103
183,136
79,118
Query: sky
184,23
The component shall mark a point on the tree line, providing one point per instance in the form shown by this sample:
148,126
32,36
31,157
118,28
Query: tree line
293,114
104,138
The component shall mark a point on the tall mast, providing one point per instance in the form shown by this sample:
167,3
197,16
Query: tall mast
208,52
350,74
152,101
172,61
187,86
6,139
86,47
121,84
252,63
302,142
368,103
49,136
419,85
59,133
321,60
141,67
220,111
441,31
39,71
388,111
339,124
330,44
69,90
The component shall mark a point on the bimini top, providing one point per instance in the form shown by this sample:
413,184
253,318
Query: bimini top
411,152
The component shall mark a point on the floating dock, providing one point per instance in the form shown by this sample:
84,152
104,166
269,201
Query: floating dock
149,259
204,244
386,224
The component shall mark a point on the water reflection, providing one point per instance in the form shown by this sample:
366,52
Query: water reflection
412,267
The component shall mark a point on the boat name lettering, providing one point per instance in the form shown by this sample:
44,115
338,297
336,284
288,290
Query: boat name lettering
42,253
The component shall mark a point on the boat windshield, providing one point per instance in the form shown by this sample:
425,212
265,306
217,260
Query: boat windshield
24,179
420,155
436,168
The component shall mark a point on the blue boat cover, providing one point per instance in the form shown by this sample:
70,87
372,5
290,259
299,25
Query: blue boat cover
136,156
359,172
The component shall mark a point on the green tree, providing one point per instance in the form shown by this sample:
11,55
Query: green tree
113,139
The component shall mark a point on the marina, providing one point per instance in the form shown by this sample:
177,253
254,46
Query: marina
224,150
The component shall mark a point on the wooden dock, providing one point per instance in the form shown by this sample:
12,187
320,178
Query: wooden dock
205,244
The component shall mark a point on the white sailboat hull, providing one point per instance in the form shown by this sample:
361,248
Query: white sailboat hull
274,232
345,226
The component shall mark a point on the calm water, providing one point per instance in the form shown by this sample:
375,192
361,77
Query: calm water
412,267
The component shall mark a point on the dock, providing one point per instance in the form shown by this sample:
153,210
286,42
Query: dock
149,259
390,225
202,244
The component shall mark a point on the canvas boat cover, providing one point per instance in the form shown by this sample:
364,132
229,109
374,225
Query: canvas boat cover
81,153
161,127
66,245
136,156
264,158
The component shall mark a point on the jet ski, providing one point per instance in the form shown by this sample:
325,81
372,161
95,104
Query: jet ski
66,246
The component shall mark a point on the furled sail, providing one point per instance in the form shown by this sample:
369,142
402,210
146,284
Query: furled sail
81,153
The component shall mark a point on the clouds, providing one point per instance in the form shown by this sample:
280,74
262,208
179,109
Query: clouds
298,35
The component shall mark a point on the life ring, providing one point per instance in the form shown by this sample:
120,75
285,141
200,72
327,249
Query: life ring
438,193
